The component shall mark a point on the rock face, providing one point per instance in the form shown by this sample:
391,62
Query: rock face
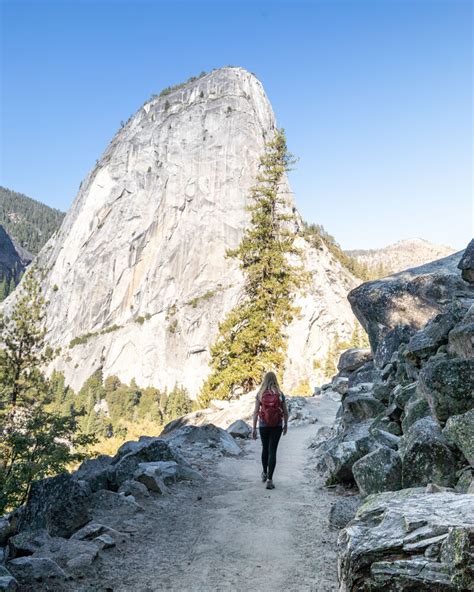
141,253
410,298
13,258
402,255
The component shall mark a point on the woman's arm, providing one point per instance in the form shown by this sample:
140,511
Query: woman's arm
255,417
285,417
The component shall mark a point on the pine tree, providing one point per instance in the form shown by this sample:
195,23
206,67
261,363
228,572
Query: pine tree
34,442
251,339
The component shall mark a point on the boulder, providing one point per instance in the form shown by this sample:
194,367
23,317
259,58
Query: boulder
448,386
343,511
380,470
95,471
385,438
94,529
459,431
5,530
390,344
35,569
8,584
132,487
416,408
104,541
426,456
401,395
411,297
70,554
360,407
425,343
403,541
366,373
206,436
26,543
353,359
239,429
105,501
58,504
131,454
461,338
340,384
466,264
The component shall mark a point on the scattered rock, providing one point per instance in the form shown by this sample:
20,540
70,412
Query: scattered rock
461,339
360,407
239,429
8,584
340,384
416,408
104,541
26,543
206,436
109,501
425,343
353,359
380,470
344,510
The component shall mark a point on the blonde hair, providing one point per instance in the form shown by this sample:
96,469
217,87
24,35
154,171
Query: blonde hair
269,383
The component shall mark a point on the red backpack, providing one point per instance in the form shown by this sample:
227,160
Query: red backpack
271,411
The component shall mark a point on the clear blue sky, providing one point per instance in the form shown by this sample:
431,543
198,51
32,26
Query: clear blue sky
376,98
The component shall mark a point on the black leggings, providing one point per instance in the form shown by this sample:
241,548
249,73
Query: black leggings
270,438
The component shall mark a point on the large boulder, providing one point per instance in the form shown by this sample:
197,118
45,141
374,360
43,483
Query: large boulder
353,359
415,409
411,297
408,542
459,431
425,343
95,471
426,456
203,437
448,386
59,505
131,454
359,407
239,429
466,265
380,470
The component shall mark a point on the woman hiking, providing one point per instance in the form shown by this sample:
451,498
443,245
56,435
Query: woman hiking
272,413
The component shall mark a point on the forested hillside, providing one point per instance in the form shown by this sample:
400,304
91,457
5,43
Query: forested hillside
29,222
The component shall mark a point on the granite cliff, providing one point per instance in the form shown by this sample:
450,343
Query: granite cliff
137,279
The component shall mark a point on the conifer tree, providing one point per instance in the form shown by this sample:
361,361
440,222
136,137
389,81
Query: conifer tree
251,339
34,442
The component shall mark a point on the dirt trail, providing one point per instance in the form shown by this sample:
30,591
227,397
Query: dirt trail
239,536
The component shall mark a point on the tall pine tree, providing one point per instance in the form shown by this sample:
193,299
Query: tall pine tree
251,339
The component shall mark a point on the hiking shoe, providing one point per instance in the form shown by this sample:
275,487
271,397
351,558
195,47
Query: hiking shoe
264,477
270,484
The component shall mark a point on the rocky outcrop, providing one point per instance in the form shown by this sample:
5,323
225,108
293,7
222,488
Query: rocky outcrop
137,279
408,541
13,258
466,265
408,427
410,298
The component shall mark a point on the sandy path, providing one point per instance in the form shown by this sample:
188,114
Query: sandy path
239,536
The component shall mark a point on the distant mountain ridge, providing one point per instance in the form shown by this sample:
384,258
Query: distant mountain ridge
401,255
28,222
13,262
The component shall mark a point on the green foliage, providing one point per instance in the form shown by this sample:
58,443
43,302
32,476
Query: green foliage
173,326
206,296
251,339
81,339
359,339
335,350
173,88
303,389
317,236
178,403
35,441
27,221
